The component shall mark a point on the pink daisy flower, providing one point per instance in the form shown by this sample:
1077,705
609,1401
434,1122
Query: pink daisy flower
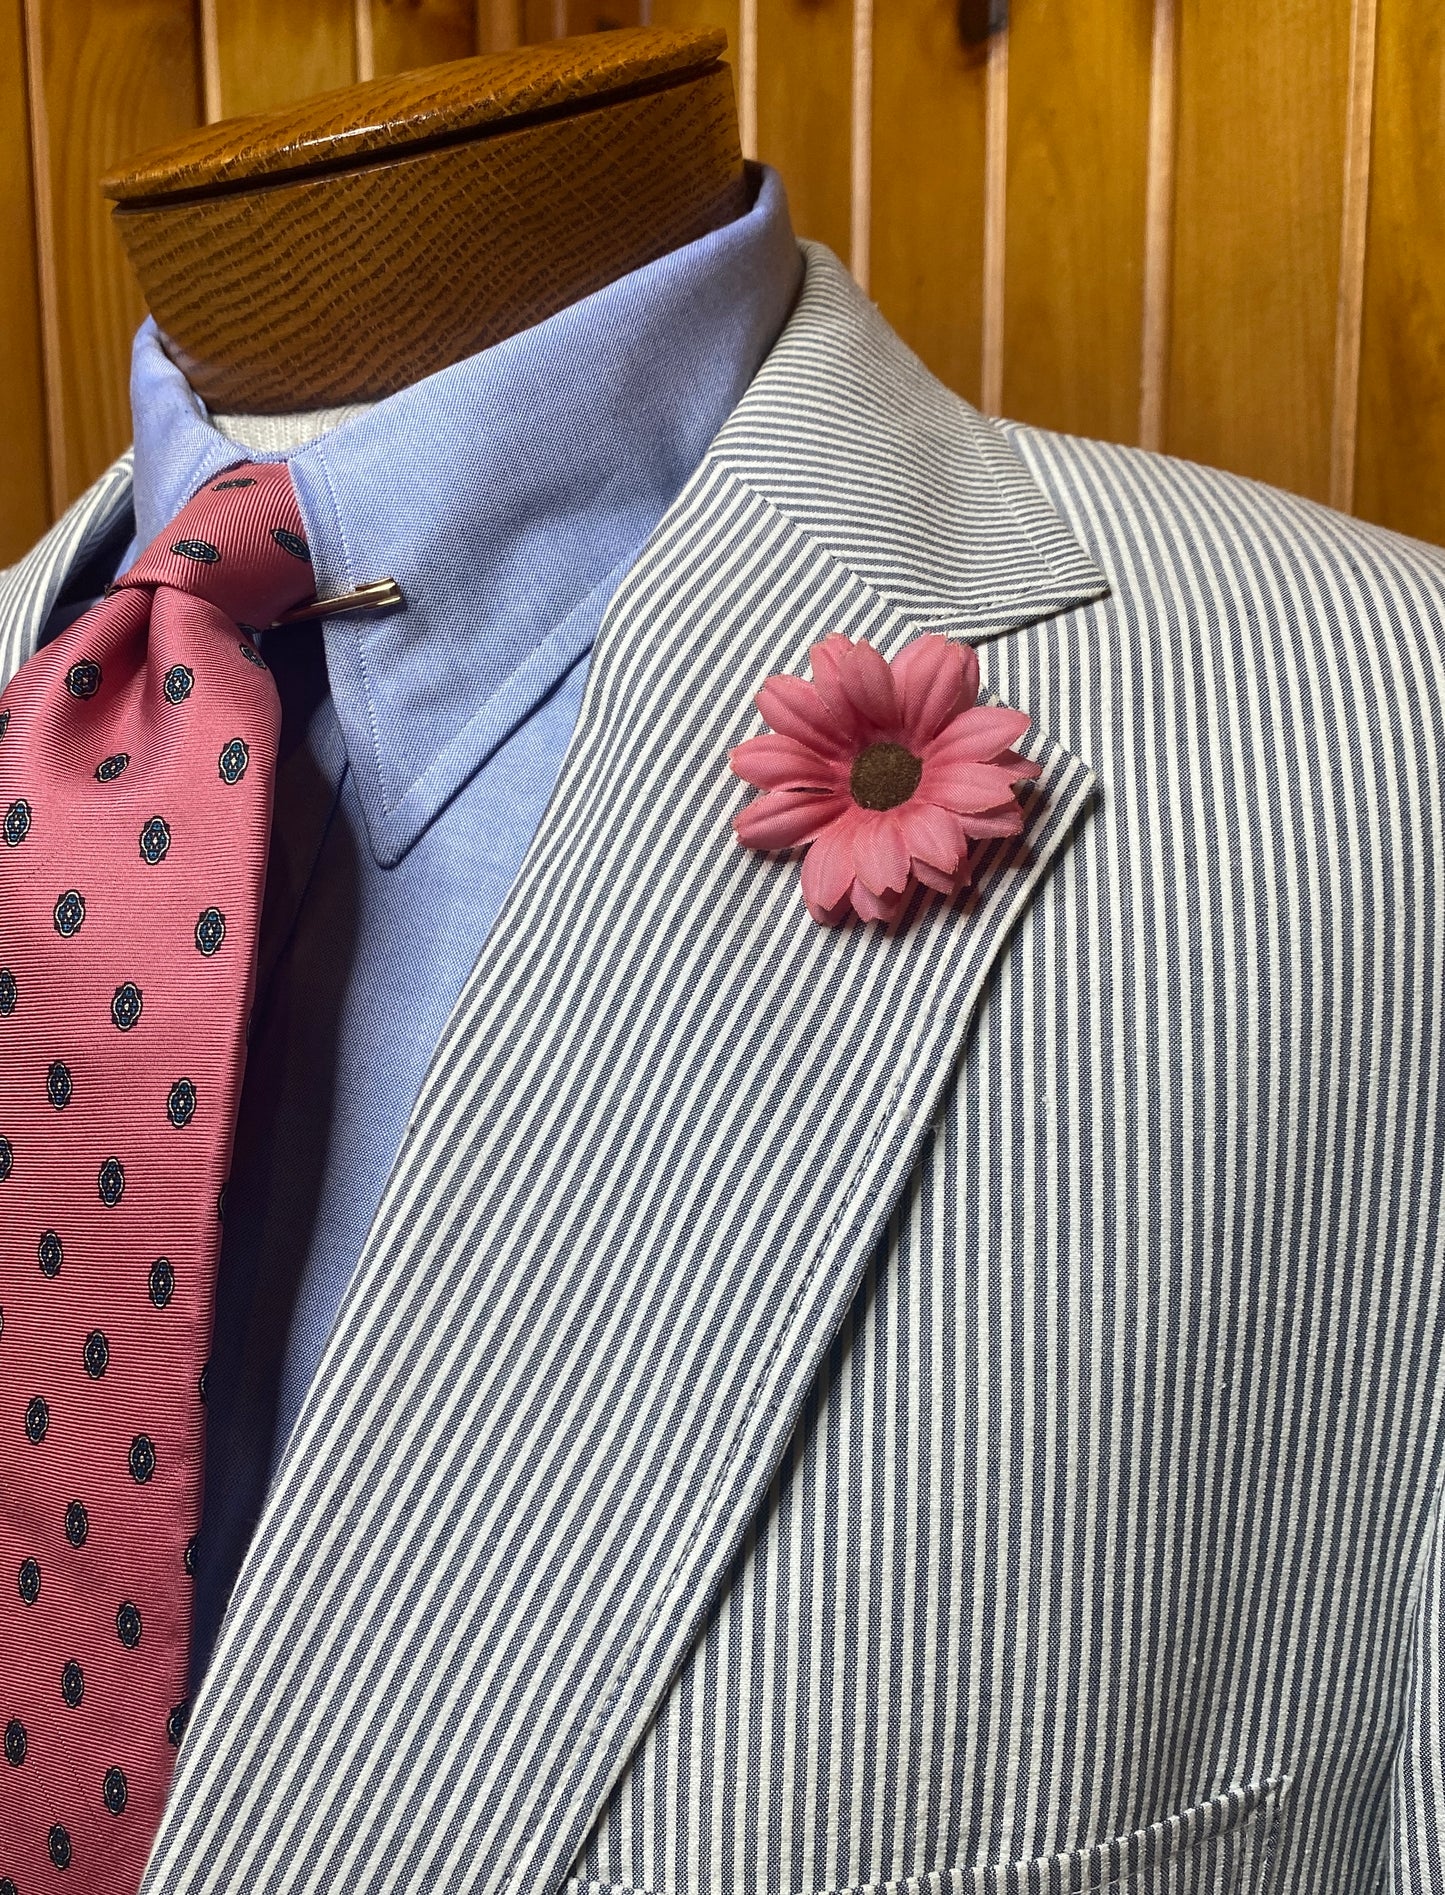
888,772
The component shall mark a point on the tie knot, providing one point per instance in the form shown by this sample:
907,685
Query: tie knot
240,542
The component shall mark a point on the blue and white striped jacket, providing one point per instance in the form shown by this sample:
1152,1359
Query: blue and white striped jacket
959,1409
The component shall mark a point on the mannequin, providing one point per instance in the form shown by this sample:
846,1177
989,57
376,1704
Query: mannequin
339,250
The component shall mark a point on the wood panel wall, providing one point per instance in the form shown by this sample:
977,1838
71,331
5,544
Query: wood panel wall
1211,230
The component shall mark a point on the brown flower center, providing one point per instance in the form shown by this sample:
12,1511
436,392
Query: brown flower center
884,775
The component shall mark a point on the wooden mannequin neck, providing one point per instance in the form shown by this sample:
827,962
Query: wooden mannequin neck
340,250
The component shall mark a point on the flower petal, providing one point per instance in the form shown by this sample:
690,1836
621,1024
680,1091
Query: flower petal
794,709
871,907
880,855
775,763
828,868
825,658
997,822
977,736
928,678
784,817
933,835
868,682
965,786
1020,768
939,879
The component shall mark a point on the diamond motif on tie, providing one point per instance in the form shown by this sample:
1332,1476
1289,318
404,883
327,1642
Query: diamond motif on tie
16,1743
4,722
233,761
210,931
125,1005
111,1182
251,655
155,840
104,1359
69,912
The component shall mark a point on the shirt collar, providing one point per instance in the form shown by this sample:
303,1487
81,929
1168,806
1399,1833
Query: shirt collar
506,495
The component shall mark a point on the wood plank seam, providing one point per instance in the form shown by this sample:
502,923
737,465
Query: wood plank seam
209,33
995,210
1159,227
859,258
748,77
1354,237
363,40
49,287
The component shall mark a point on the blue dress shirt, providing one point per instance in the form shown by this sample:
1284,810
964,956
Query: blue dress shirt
507,495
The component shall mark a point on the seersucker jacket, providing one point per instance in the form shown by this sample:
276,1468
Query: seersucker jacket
957,1409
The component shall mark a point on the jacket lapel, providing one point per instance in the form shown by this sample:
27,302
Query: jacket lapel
30,590
663,1130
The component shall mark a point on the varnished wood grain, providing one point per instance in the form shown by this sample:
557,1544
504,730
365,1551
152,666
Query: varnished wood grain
408,109
695,13
346,286
1157,318
24,465
407,33
270,54
928,164
1400,453
1078,136
111,76
805,50
1262,115
499,25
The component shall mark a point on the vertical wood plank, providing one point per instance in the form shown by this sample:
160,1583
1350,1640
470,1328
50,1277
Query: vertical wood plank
929,83
407,33
1260,186
861,122
110,77
499,25
1400,450
1349,311
995,221
270,54
1159,226
805,59
24,465
1078,141
556,19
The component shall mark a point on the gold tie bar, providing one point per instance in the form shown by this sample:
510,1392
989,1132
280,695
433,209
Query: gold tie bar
377,595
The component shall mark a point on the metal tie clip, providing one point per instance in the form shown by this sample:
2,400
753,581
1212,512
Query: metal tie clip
377,595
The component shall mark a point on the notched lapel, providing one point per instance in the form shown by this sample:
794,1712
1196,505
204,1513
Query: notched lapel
660,1136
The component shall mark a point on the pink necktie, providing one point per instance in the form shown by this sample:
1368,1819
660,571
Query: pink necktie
137,753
